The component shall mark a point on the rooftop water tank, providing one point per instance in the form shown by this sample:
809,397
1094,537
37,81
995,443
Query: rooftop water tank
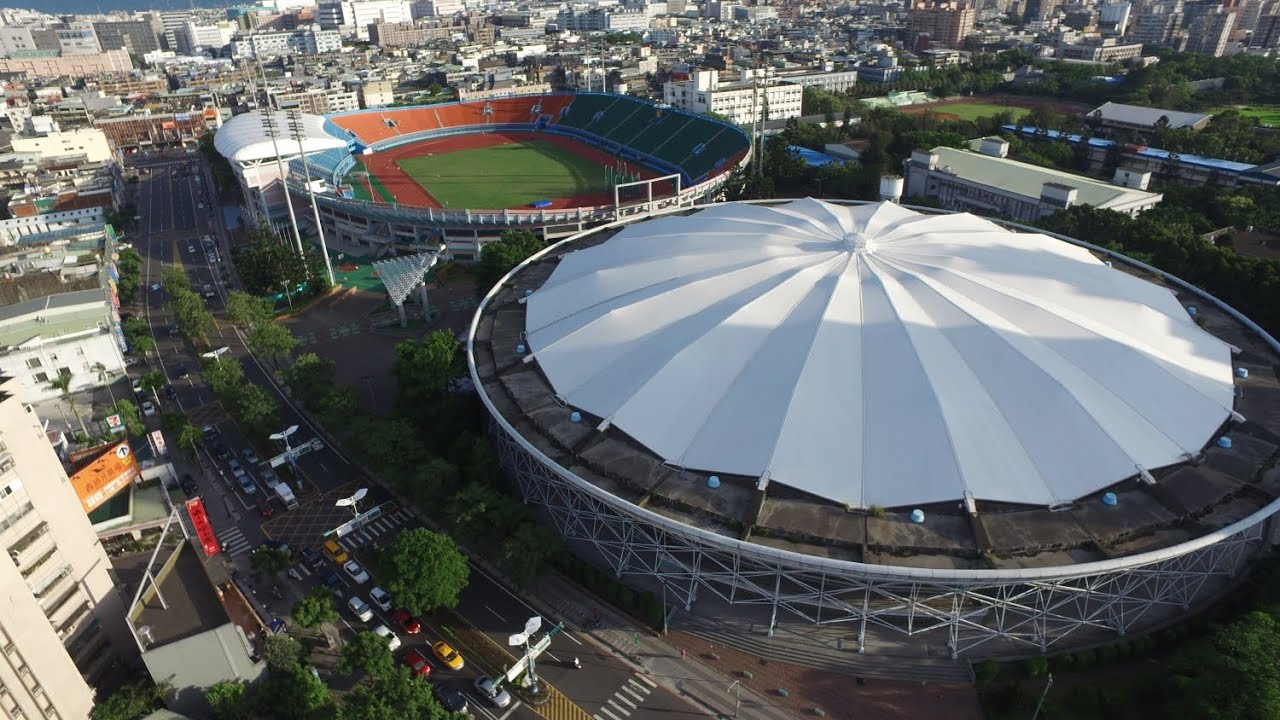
917,516
1109,499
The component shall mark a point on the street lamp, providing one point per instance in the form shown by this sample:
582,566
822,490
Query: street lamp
353,502
216,356
283,436
531,626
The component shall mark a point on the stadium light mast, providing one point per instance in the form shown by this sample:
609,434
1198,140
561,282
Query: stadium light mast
269,124
295,126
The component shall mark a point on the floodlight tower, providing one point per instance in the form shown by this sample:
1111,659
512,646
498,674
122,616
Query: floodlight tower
269,125
295,127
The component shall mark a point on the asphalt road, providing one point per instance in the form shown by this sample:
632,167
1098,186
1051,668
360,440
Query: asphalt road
175,204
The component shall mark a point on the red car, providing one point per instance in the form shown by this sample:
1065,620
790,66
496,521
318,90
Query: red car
407,622
417,662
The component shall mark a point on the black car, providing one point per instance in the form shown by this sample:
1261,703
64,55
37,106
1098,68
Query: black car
189,486
451,699
313,558
221,450
181,372
171,392
333,581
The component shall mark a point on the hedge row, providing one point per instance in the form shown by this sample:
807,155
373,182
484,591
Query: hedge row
644,605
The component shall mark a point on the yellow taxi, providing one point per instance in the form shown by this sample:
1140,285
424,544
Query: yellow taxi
447,655
334,552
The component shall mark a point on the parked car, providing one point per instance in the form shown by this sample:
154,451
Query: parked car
447,655
189,486
250,456
246,485
360,608
451,699
149,408
335,552
393,642
171,392
221,450
407,622
417,662
210,432
496,696
235,467
334,582
312,558
264,507
356,572
381,599
180,371
269,477
137,387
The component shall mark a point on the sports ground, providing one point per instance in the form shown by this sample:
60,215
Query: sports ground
1266,114
491,171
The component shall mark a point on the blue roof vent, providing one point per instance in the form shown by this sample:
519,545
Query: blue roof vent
713,482
1191,309
1224,442
1109,499
527,293
917,516
1242,373
575,416
520,349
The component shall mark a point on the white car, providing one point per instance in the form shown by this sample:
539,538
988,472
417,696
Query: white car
360,608
356,572
148,408
383,631
381,599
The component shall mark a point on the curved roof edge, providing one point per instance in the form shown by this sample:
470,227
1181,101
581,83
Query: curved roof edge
244,138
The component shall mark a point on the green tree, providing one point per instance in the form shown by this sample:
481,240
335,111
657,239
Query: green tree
309,378
131,417
282,653
423,369
292,695
152,382
104,377
190,437
257,409
272,340
499,257
225,377
268,264
426,569
194,319
367,653
137,335
175,279
62,383
228,700
270,560
396,695
130,702
528,551
246,311
315,609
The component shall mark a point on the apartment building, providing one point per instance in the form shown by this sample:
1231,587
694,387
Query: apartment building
42,66
377,93
320,101
837,82
64,623
1107,50
407,34
1209,29
353,17
1158,24
136,36
744,101
42,136
945,23
310,40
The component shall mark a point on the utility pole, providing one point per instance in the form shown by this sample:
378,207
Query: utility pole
269,124
295,125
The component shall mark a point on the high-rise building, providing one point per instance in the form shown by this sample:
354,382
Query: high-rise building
1267,33
1209,29
63,624
1038,10
1113,17
77,38
946,23
1157,23
136,36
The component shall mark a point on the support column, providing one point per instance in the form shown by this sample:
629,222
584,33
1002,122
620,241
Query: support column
404,321
426,302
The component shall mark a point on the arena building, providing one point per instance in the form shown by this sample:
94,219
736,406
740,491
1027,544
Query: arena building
933,427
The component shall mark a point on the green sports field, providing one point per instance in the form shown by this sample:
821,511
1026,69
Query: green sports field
973,111
1266,114
504,176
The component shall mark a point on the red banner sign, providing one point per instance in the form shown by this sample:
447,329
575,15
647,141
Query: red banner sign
204,530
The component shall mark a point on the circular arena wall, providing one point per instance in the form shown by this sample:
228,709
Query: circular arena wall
1004,581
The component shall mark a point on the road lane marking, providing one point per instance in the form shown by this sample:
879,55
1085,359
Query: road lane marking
625,699
625,713
647,681
495,612
632,693
605,710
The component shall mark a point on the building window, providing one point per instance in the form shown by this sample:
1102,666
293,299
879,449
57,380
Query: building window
33,362
64,371
41,378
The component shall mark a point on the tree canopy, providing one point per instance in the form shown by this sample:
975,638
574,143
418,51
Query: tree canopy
368,653
315,609
498,257
427,570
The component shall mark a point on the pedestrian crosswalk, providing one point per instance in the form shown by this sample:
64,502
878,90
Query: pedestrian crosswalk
377,531
234,542
628,698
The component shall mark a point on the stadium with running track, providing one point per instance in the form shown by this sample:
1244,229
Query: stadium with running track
656,158
933,433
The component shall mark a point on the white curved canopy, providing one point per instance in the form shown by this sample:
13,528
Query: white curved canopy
872,355
244,138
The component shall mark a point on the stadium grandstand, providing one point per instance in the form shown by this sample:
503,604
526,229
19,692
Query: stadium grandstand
685,159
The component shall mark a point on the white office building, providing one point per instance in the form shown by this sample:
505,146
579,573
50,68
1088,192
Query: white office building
303,41
743,101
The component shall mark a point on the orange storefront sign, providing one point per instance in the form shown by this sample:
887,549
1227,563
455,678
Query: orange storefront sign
110,473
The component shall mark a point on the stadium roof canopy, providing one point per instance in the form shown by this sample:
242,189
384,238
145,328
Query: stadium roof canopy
873,355
244,138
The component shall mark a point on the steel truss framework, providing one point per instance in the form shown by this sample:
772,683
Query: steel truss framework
1036,614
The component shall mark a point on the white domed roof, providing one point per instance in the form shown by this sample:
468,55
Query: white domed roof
244,137
874,355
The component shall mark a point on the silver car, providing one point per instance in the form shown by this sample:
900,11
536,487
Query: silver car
495,695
